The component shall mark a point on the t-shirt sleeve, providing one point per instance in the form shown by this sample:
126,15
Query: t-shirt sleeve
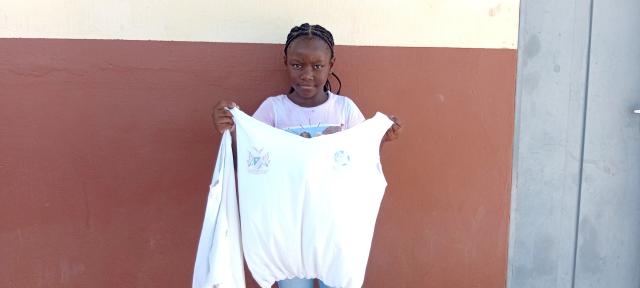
265,112
353,114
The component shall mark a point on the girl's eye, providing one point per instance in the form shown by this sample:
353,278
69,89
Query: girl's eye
317,66
296,66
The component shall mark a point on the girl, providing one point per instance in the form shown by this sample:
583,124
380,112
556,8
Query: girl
309,108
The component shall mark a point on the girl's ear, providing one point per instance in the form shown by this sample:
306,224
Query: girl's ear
284,60
331,62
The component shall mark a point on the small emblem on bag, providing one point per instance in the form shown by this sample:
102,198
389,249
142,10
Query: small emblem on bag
258,161
341,158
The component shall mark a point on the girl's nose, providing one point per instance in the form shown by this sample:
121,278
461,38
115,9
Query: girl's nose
306,74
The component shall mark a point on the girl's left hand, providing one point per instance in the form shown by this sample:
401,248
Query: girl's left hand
394,132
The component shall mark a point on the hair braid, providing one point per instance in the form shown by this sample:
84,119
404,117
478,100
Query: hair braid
306,30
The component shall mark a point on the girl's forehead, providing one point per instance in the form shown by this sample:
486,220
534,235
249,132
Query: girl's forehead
308,44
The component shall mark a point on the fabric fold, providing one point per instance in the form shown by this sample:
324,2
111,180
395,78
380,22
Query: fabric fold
219,260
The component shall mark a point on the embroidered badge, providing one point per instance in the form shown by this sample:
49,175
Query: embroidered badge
258,161
341,158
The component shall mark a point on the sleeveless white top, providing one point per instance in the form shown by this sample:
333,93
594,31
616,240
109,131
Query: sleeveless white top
308,206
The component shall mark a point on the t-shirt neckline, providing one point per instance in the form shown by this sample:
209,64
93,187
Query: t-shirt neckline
329,93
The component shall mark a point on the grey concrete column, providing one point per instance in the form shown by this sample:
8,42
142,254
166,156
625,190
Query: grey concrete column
553,54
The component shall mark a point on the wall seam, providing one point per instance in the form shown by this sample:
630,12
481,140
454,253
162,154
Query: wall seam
582,146
516,143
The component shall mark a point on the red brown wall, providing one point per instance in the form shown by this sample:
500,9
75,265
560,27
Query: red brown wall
107,149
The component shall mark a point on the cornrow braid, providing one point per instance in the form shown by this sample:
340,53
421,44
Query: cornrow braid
313,31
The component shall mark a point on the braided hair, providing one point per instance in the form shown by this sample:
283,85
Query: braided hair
313,31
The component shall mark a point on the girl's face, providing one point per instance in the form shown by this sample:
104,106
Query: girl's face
309,63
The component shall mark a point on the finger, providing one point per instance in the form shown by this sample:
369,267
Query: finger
221,108
225,122
226,105
390,134
225,126
223,113
397,127
222,119
222,104
397,121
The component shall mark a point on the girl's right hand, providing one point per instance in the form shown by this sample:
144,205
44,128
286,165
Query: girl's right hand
222,118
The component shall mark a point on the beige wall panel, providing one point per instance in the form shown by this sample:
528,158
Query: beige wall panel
416,23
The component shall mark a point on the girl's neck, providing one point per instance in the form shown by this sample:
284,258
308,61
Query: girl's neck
308,102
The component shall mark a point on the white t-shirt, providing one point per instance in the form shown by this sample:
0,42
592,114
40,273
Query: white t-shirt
308,206
336,114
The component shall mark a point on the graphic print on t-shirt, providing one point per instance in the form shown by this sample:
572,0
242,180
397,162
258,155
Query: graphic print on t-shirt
310,131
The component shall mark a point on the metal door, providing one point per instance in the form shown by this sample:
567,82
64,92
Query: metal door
608,244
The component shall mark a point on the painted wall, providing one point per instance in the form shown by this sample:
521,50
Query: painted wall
431,23
107,145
